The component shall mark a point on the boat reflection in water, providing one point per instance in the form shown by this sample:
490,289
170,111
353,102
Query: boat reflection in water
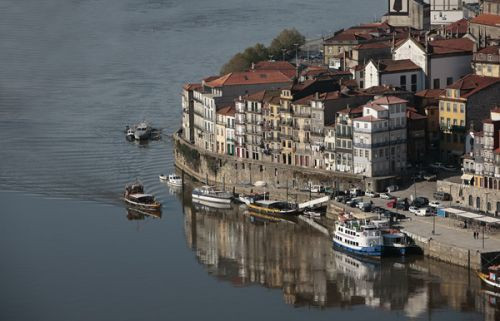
301,262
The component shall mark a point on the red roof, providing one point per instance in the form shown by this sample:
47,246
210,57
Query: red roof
429,93
227,110
332,95
357,110
263,95
490,50
454,45
460,26
389,65
251,77
413,115
374,45
191,86
283,66
389,100
472,84
487,19
367,119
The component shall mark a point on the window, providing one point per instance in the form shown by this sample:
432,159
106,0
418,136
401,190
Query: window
402,82
441,106
479,67
454,107
449,81
488,68
436,83
462,108
470,200
447,106
478,202
414,82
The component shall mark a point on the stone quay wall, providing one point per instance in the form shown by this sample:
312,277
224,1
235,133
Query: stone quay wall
448,253
227,170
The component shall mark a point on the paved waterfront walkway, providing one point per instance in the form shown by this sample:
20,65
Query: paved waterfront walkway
451,235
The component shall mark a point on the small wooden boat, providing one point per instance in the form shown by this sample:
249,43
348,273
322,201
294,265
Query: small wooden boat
274,207
211,195
252,198
174,180
492,278
142,131
135,196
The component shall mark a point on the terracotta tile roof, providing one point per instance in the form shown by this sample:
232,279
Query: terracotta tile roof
251,77
284,66
191,86
357,110
367,119
447,46
413,115
460,26
472,84
374,45
227,110
487,19
359,67
490,50
390,66
332,95
263,95
429,93
389,100
497,151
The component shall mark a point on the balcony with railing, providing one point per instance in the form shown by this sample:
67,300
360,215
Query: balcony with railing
452,128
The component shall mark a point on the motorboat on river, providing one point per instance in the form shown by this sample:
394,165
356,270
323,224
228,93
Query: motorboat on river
211,195
142,131
134,195
172,179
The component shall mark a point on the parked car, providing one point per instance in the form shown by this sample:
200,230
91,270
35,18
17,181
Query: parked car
386,196
450,168
430,177
434,204
402,206
356,192
378,210
372,194
340,198
392,188
353,202
365,206
420,201
392,203
442,196
436,165
423,211
413,209
317,189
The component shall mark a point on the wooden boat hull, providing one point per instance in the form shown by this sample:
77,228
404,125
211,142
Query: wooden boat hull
484,278
271,211
154,206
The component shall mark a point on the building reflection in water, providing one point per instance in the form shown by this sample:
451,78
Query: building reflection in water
302,263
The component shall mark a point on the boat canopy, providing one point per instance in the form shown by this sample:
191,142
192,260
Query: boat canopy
142,198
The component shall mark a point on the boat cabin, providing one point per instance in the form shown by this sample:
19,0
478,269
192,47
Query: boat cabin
142,198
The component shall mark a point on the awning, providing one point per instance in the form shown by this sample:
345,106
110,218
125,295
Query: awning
469,215
488,219
453,210
467,177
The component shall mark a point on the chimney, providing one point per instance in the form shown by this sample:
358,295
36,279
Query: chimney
253,66
317,95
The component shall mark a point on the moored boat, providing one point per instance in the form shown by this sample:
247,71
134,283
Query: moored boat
359,237
211,195
252,198
492,278
171,179
135,196
397,243
142,131
274,207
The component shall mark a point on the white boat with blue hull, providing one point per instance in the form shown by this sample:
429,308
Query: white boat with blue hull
358,237
211,195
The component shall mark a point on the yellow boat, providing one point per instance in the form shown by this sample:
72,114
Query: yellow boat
492,279
274,207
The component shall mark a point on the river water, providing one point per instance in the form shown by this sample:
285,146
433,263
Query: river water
73,73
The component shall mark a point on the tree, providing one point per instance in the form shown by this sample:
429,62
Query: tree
286,40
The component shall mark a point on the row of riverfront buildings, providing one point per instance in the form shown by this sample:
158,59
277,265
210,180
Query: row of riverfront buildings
388,94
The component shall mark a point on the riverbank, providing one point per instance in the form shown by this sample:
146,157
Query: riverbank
447,244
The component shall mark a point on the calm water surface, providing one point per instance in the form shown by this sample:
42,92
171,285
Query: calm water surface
73,73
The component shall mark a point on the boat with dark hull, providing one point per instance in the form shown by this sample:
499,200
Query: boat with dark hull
134,195
492,278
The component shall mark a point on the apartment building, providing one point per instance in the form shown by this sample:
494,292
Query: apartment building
486,62
379,138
